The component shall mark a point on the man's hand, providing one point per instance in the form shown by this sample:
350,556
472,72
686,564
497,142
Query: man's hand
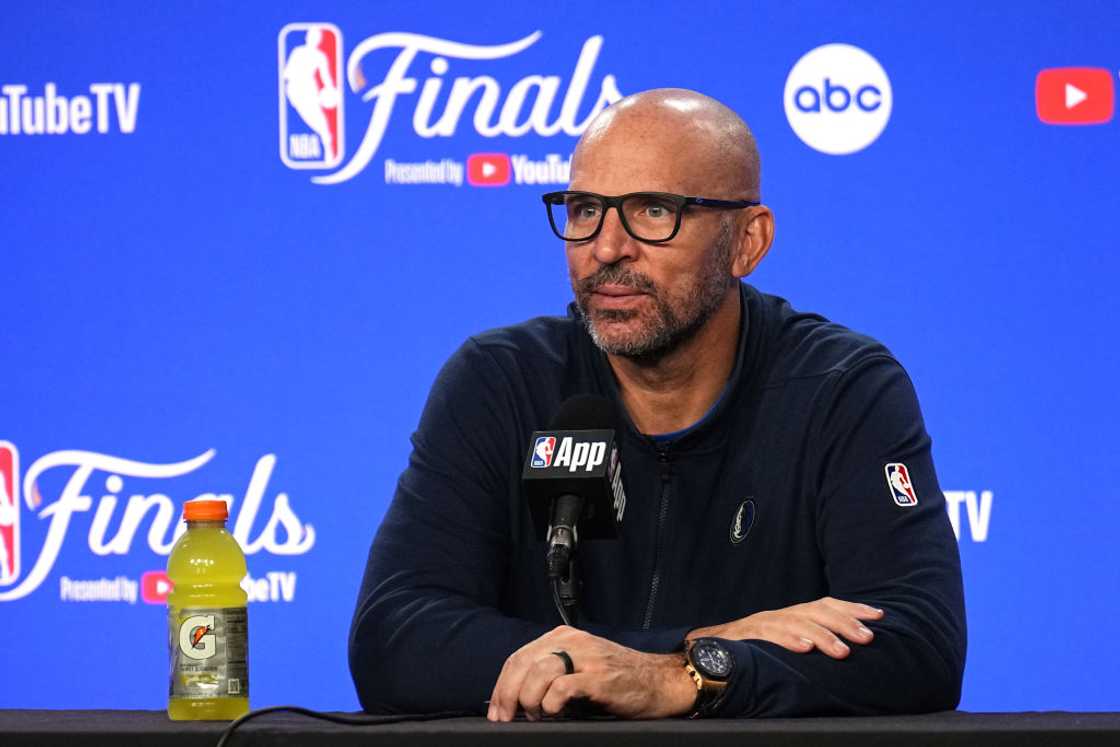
803,627
624,682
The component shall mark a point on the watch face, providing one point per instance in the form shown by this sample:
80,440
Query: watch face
711,659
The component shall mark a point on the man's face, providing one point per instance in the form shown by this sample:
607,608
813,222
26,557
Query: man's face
642,300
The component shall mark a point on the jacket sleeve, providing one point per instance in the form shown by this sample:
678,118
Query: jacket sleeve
428,633
901,558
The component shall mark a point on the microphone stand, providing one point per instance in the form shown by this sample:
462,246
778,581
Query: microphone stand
561,564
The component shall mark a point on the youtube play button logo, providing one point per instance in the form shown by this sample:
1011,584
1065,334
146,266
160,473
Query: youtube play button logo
488,170
1074,95
155,586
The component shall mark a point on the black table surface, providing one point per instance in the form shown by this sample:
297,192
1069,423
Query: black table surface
96,728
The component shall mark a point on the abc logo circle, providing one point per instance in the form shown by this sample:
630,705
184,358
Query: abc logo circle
838,99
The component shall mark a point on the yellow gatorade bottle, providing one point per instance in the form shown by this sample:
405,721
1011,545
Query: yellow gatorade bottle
207,619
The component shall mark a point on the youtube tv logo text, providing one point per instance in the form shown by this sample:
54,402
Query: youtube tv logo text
1074,95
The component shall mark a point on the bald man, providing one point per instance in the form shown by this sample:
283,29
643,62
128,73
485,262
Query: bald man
786,549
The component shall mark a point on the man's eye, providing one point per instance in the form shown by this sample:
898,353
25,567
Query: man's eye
657,210
584,210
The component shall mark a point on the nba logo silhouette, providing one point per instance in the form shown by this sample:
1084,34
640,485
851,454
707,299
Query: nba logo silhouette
542,451
898,480
311,122
9,513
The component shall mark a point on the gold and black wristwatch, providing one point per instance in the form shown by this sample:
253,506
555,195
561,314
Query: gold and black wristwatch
710,666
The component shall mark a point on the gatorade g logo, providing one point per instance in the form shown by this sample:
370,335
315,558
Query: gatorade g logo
196,637
838,99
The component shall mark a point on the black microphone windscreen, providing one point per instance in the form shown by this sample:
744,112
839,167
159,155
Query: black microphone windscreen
578,456
585,412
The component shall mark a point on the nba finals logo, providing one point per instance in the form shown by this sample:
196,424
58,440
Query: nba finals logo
119,518
9,514
313,83
311,122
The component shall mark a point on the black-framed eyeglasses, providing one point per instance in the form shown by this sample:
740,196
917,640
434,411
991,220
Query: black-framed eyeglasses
652,217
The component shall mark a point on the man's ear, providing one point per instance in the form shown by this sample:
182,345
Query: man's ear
754,238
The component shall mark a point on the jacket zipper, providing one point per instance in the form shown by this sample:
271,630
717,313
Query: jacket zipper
662,516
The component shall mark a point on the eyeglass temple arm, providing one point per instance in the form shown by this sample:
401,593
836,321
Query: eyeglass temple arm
708,202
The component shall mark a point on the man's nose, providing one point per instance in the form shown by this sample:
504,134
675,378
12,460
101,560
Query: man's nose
613,243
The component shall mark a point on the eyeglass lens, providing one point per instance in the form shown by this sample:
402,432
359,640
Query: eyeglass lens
649,217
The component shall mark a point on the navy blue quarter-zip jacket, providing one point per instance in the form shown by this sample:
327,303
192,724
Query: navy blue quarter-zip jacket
782,494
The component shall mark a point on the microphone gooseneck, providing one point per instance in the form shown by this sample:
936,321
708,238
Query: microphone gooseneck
563,540
563,536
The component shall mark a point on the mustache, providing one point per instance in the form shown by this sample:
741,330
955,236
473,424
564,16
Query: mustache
617,275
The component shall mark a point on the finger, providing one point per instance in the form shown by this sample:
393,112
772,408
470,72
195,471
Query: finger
867,612
841,622
536,684
565,688
495,698
503,701
825,640
799,644
789,632
849,627
857,610
793,642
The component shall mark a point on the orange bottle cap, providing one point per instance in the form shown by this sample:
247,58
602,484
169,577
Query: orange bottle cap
205,510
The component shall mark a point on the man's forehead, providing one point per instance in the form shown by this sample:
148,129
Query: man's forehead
670,147
655,162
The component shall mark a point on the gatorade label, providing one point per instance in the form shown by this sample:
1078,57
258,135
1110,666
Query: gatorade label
209,652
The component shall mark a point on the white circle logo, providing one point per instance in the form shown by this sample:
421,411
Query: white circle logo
838,99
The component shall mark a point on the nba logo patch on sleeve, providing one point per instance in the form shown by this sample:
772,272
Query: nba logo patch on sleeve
311,121
898,480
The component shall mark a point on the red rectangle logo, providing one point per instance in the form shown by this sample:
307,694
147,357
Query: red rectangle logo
1074,95
488,169
155,586
9,513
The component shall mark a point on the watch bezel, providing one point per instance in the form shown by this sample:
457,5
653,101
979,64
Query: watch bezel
701,644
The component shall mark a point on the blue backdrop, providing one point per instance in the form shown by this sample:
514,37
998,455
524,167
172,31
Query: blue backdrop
177,284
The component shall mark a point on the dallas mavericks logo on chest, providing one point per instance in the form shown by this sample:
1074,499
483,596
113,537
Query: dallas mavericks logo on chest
742,521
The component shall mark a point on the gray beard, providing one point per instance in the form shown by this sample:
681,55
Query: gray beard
669,327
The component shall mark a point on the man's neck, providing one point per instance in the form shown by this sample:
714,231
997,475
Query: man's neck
678,389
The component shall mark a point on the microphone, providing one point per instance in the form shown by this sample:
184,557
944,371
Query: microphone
573,480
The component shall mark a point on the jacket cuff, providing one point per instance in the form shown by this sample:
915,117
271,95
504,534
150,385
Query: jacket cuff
739,693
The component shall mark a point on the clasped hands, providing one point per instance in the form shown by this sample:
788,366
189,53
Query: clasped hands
634,684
